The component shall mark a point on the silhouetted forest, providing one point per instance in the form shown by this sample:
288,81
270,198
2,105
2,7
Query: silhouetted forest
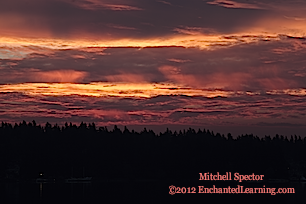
27,149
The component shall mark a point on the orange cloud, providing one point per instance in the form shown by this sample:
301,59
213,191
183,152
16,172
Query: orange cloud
103,89
289,26
208,42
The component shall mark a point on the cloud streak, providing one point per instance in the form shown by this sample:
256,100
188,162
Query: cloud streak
234,4
251,111
102,4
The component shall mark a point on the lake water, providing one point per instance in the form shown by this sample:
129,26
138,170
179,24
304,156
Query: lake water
139,192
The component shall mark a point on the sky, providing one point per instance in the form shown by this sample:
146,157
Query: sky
227,66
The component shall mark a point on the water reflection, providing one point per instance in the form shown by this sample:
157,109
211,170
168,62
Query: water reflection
11,191
40,189
300,192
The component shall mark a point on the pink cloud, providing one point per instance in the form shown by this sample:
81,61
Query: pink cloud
295,18
59,76
276,83
78,56
98,4
233,4
174,75
242,110
178,60
165,2
234,81
116,7
121,27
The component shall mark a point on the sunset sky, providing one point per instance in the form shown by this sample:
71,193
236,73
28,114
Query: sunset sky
228,66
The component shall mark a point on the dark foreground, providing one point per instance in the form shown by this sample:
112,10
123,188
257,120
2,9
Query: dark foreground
139,192
128,165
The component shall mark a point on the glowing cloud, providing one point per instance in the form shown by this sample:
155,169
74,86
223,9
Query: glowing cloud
102,89
142,90
208,42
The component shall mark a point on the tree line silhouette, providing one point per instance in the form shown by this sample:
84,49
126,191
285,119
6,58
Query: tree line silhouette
27,149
